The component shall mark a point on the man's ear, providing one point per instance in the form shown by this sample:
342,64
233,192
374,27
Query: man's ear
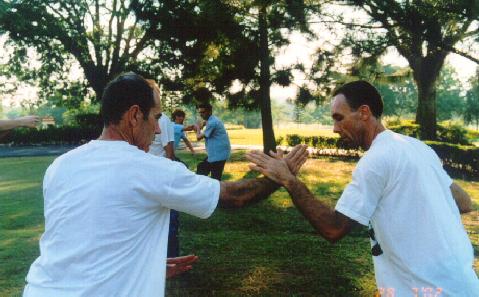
134,115
364,112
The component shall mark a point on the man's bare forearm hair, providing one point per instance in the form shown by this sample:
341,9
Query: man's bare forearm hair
241,193
330,224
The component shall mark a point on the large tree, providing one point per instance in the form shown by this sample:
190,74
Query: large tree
104,37
471,108
424,32
226,41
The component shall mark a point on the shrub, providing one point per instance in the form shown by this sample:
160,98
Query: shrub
92,120
459,157
464,159
454,133
51,135
294,139
279,140
324,146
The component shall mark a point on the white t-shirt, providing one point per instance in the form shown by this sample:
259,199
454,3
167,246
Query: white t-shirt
107,207
401,189
165,136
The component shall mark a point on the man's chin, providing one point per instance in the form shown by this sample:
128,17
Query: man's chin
347,143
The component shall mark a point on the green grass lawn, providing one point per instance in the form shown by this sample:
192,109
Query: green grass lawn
264,250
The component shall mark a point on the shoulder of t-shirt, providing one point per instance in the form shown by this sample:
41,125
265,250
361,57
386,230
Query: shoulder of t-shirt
212,122
164,119
382,152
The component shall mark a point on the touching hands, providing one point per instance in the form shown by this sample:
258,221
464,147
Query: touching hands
276,167
179,265
189,128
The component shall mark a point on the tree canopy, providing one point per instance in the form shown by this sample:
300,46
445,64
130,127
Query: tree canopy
424,32
103,37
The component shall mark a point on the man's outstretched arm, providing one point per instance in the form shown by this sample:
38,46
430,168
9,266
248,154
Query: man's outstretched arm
244,192
330,224
26,121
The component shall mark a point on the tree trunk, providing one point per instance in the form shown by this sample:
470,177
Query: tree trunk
97,79
426,111
269,142
425,72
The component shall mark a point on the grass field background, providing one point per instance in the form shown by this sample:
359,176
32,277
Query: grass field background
264,250
255,136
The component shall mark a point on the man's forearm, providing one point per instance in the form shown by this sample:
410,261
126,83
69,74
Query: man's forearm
188,144
9,124
329,223
241,193
170,151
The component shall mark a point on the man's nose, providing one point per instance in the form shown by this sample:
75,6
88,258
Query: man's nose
157,128
336,128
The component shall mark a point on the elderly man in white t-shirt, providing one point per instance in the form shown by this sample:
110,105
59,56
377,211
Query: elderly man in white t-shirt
400,190
107,204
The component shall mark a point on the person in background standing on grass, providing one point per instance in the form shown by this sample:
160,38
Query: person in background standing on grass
401,192
178,117
217,141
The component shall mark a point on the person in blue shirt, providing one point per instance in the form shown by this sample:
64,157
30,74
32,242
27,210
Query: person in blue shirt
178,117
217,141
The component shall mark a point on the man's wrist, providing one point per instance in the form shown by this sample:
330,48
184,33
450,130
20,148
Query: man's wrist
289,182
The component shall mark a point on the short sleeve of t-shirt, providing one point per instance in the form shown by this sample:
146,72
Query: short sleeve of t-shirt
173,186
210,127
361,197
201,193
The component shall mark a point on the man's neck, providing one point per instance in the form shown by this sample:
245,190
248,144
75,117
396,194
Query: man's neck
376,129
113,133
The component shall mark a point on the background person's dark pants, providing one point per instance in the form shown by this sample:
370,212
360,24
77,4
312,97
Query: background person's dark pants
215,168
173,240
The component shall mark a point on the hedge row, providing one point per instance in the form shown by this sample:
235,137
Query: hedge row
324,146
464,159
459,157
455,134
51,135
